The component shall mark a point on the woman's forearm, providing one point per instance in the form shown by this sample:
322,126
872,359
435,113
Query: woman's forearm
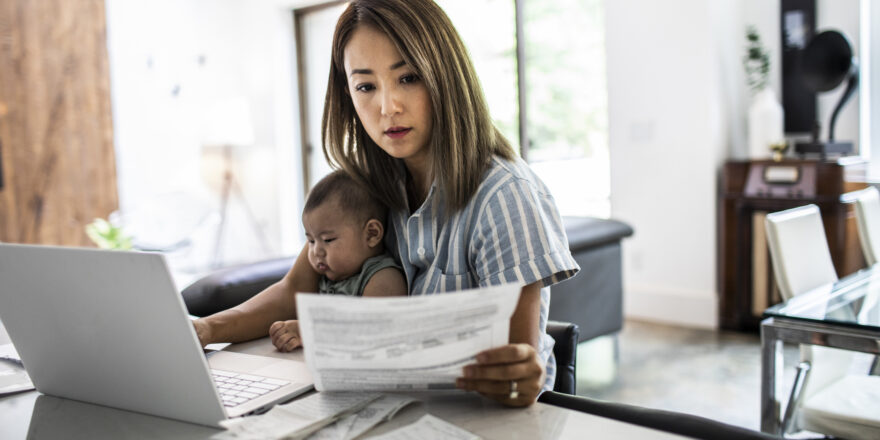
524,324
252,318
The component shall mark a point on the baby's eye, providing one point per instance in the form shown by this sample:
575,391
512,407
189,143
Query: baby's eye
311,241
364,87
409,78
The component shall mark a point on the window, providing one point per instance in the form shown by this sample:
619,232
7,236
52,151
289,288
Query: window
566,102
566,115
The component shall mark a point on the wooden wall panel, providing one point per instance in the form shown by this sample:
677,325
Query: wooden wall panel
55,121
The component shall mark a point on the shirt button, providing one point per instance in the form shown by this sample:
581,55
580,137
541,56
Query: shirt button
421,252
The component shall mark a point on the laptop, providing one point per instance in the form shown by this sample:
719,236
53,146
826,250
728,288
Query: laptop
110,328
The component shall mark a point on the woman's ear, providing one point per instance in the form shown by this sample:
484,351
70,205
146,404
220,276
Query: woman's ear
374,232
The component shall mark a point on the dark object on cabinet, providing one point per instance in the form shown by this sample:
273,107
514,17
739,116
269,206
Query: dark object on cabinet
797,25
750,190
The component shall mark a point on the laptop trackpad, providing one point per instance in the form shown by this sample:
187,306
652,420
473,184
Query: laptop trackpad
294,371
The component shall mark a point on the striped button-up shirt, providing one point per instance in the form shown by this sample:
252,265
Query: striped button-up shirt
510,231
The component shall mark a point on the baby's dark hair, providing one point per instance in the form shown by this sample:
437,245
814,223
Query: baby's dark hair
351,197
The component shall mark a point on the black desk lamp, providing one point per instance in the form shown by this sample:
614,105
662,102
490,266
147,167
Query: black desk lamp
826,61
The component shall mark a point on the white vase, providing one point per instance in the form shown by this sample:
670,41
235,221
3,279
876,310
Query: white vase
765,124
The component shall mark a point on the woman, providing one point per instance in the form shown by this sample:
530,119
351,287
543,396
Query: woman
405,115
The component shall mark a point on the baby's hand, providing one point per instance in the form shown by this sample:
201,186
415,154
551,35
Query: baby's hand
285,335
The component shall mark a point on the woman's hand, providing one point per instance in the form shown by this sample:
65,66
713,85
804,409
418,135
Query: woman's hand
203,331
285,335
511,374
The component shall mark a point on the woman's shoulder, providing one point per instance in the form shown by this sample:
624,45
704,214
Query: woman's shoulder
510,175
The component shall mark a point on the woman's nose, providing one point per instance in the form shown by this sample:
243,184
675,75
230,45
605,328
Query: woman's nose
390,103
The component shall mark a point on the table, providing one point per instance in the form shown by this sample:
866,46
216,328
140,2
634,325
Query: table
33,415
844,314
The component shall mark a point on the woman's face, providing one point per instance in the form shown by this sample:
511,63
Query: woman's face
391,101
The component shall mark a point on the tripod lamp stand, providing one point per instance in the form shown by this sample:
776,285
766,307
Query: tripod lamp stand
227,134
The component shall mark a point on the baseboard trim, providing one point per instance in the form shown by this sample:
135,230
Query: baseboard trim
671,306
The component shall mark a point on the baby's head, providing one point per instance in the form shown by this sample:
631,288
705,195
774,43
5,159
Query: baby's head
344,226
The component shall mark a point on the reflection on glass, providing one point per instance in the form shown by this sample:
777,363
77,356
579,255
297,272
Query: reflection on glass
854,300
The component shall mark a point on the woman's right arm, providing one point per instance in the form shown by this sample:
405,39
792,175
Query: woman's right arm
252,318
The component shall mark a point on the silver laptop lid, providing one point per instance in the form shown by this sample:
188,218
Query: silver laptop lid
106,327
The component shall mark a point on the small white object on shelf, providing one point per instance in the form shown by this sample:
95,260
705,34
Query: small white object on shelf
765,124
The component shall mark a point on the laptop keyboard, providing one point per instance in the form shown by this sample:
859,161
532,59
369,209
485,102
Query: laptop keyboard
236,388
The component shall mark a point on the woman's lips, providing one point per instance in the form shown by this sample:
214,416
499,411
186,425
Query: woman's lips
397,132
322,267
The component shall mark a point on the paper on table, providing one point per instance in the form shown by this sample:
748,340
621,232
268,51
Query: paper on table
297,419
352,426
415,342
13,377
428,427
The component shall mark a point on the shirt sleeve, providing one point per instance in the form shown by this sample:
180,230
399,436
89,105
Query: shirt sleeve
519,237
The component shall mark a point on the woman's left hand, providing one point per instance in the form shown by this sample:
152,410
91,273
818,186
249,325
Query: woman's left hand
511,374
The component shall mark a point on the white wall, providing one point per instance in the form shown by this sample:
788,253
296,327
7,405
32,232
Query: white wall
667,135
677,106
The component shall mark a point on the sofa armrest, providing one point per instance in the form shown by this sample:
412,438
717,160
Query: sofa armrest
232,286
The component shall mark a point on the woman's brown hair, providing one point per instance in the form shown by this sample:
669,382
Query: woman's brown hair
463,139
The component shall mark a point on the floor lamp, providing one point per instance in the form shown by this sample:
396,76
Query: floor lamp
228,130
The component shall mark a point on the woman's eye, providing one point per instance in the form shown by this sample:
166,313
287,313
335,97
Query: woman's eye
328,240
311,241
364,87
409,78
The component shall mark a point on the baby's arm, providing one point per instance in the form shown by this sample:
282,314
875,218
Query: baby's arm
386,282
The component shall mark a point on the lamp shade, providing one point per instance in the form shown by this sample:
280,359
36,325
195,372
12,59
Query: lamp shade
227,121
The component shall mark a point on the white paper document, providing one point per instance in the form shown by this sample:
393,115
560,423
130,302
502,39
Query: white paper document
352,426
13,377
428,427
297,419
401,343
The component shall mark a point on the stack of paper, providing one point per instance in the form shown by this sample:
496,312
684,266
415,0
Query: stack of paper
428,427
296,420
353,414
13,377
352,426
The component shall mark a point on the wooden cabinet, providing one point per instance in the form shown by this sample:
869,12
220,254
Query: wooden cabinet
750,190
56,138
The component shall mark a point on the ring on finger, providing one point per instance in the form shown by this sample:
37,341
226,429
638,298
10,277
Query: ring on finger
514,392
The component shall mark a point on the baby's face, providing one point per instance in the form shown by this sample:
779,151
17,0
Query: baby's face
338,246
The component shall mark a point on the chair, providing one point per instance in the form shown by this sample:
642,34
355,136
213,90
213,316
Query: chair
566,336
674,422
824,398
868,221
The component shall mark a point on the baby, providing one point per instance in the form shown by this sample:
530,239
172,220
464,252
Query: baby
345,227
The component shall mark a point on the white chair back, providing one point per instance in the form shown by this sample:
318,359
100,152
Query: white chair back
868,221
802,262
799,250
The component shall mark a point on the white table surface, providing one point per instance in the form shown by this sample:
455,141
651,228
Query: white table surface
33,415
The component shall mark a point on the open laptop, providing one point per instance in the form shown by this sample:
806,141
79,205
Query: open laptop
109,327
